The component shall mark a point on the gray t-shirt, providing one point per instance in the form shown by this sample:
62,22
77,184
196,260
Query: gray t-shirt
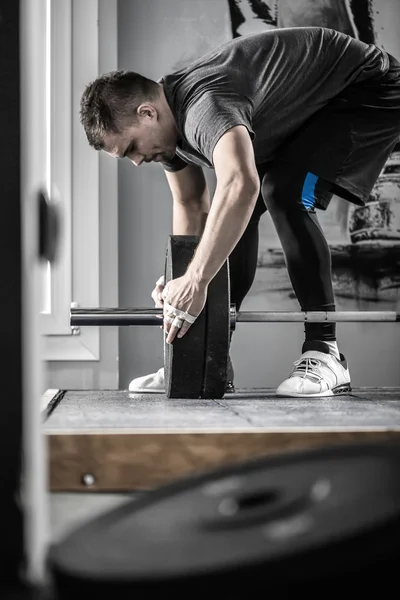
270,82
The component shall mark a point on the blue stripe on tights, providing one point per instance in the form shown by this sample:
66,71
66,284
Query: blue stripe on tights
308,192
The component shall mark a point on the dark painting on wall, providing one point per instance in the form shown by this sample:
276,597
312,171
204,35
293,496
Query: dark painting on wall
364,241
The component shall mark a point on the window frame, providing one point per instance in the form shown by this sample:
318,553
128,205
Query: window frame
74,180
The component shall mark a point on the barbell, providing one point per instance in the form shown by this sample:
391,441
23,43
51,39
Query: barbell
151,316
196,364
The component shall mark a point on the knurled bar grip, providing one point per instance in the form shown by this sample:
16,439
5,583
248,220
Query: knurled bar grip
153,316
318,316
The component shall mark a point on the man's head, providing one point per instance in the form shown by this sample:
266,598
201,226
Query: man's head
126,114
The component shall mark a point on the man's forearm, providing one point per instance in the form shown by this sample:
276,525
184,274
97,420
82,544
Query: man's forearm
189,218
230,213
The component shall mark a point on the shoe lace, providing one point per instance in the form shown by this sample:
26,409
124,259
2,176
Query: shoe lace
308,367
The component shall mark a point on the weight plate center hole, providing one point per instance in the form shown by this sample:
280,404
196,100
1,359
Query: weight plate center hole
247,503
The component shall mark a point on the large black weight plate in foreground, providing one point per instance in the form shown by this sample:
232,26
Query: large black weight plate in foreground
293,522
217,340
184,358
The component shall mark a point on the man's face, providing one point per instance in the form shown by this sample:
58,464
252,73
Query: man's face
142,141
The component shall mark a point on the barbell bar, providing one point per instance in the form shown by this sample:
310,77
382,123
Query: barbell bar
153,316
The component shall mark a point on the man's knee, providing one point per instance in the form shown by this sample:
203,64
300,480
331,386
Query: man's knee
268,190
259,209
276,185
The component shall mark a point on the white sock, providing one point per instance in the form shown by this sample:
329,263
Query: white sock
333,349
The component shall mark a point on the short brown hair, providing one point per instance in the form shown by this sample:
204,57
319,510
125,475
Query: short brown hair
110,99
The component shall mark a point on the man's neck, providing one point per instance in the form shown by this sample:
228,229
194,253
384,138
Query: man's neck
167,111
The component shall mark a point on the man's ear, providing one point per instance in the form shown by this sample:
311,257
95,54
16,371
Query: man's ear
146,110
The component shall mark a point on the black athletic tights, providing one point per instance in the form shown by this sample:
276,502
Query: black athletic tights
306,251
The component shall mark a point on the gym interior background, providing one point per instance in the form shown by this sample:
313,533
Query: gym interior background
115,221
119,247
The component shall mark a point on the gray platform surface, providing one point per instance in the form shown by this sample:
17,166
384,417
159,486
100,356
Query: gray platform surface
364,408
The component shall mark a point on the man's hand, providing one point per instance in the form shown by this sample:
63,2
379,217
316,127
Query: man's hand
184,299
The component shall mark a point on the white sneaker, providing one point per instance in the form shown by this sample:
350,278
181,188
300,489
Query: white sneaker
151,384
155,382
317,374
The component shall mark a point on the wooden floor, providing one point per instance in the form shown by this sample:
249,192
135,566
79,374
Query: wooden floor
113,440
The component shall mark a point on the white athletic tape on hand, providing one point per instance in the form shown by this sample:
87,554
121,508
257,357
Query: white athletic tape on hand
161,280
177,322
179,313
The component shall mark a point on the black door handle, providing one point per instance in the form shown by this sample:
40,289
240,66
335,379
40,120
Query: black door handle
49,227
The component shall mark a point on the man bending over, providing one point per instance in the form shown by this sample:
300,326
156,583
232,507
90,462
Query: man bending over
287,118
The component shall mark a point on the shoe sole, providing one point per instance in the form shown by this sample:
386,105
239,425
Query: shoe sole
146,391
339,390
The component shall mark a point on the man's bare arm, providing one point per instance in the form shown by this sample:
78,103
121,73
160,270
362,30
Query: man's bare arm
233,203
191,200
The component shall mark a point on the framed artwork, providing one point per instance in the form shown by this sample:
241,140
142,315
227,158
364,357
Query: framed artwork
364,241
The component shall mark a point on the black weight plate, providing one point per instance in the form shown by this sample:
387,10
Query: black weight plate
296,519
217,334
184,358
